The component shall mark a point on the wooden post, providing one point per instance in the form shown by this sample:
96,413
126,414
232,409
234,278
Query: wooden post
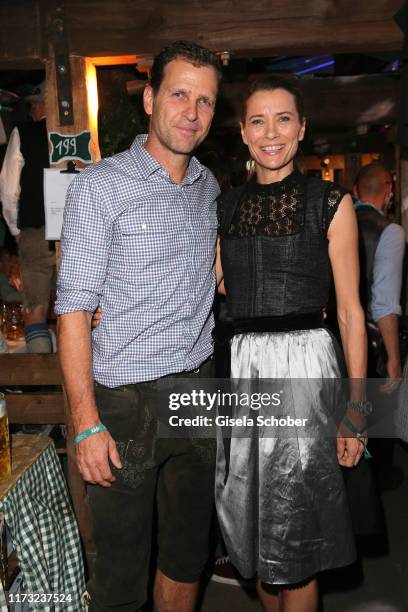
352,164
85,101
85,107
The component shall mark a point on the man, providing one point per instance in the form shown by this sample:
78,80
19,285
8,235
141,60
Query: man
382,246
22,195
138,239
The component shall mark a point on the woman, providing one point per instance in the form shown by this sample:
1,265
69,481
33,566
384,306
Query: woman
280,501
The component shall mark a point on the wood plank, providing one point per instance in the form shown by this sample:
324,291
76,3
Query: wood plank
282,26
38,408
265,28
329,101
30,369
21,31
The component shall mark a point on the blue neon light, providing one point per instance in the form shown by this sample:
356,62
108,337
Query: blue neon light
313,68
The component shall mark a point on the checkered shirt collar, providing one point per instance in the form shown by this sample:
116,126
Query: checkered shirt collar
148,165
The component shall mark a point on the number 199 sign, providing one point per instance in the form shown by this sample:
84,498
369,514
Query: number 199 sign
70,146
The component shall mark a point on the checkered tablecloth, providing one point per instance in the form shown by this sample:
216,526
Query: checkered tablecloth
45,534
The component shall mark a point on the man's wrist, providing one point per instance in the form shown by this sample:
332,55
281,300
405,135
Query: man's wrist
87,433
85,422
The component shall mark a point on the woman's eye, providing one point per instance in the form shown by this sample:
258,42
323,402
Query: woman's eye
256,121
284,118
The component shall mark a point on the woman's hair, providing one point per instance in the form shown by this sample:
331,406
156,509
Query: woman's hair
270,83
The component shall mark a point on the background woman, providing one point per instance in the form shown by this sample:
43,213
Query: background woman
280,501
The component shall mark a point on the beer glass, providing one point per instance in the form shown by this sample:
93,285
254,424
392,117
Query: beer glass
5,459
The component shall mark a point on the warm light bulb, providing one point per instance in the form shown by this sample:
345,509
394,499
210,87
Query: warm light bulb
92,92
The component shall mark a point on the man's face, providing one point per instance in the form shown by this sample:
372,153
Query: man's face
182,109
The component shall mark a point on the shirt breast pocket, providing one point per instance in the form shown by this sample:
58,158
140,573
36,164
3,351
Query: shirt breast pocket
144,243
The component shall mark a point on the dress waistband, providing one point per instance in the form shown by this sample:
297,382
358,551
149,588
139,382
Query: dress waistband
285,323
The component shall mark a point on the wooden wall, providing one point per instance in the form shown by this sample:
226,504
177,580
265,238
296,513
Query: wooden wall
265,27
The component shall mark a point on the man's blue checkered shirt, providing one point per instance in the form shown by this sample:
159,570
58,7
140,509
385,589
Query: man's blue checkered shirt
141,247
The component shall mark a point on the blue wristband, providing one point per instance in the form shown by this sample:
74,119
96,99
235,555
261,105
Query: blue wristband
88,432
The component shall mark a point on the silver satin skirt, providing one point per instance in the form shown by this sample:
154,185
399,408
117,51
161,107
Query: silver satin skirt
281,500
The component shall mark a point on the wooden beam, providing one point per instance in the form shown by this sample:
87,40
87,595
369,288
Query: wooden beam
115,60
39,408
21,34
100,28
29,369
330,101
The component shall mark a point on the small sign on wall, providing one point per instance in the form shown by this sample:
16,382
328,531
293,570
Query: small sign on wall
56,184
70,146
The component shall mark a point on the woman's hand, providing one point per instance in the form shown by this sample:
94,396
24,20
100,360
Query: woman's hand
349,450
351,444
96,318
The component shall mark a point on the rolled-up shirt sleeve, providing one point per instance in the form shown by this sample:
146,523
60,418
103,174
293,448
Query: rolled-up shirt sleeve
387,273
85,243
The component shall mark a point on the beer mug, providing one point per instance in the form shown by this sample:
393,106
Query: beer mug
5,459
14,322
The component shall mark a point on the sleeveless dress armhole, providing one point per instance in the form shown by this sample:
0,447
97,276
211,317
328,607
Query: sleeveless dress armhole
333,195
226,205
220,214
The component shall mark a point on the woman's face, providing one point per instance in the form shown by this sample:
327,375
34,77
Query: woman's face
272,130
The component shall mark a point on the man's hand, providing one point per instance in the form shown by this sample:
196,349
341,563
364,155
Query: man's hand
96,318
394,376
349,450
93,456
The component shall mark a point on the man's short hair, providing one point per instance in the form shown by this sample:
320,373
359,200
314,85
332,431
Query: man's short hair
370,179
182,49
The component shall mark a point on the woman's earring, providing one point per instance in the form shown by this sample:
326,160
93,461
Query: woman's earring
250,166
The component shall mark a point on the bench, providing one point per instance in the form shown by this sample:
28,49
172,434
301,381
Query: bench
46,406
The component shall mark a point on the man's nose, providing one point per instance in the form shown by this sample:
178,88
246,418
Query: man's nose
191,110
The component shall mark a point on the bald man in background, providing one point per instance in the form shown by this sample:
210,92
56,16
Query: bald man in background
382,247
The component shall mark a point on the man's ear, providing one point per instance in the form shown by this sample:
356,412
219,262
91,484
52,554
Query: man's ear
355,192
148,99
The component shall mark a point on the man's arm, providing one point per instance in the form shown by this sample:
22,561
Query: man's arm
389,331
74,338
10,181
386,290
85,245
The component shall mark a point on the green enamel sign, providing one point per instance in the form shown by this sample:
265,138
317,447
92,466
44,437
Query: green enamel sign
70,146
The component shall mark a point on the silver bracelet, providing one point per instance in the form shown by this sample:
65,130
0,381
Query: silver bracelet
364,407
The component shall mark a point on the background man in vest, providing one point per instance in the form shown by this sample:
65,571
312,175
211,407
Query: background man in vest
22,195
382,246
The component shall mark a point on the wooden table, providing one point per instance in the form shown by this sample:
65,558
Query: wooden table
38,514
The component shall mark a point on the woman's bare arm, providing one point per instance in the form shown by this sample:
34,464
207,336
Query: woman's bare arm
218,270
343,252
